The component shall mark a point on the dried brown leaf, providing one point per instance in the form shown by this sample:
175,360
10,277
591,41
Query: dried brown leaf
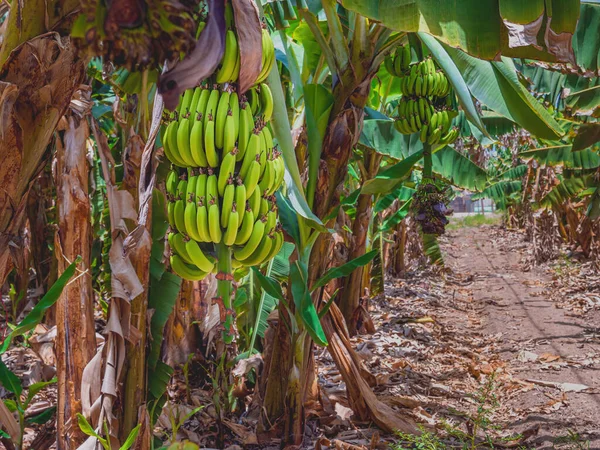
247,23
199,64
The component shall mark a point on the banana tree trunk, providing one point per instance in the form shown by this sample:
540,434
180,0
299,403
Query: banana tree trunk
75,338
352,290
38,81
289,361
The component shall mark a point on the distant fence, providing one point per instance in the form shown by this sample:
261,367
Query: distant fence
464,204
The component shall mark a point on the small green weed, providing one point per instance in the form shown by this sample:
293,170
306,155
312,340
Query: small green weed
571,441
479,427
473,221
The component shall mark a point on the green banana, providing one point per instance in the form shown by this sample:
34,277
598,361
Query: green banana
186,271
222,109
212,156
172,181
246,227
214,222
229,136
211,106
230,55
255,239
254,201
198,257
260,254
226,171
177,244
253,149
190,220
228,200
183,142
246,126
212,191
202,220
251,179
197,144
231,228
240,198
266,101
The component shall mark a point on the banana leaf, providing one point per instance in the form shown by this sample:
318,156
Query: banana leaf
431,249
562,155
513,173
344,270
304,304
567,189
458,169
391,177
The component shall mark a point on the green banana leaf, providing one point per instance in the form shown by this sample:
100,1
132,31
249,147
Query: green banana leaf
344,270
402,194
36,315
9,380
499,192
513,173
561,155
431,249
392,221
495,84
304,305
456,80
389,179
458,169
476,26
587,136
567,189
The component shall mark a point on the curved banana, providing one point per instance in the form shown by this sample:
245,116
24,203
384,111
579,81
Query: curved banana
212,156
240,198
197,144
202,220
214,222
226,171
246,227
183,142
186,271
245,130
201,184
198,257
253,149
230,56
258,231
266,101
231,228
212,191
262,251
229,136
228,200
211,106
222,109
251,179
277,244
177,243
190,220
254,201
172,181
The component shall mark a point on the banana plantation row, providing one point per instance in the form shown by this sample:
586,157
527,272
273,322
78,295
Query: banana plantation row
237,179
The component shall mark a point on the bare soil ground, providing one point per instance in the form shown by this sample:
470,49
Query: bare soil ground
543,341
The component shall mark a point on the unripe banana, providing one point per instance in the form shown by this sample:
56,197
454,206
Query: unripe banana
172,181
229,136
228,200
277,244
202,102
254,201
190,220
177,244
201,184
214,222
255,239
226,171
186,271
211,107
183,142
266,101
251,179
210,149
198,257
230,55
262,251
268,59
232,225
179,215
246,127
184,107
247,225
202,220
406,58
197,143
423,134
171,213
240,198
212,190
222,109
171,153
268,179
190,191
253,149
234,106
264,206
195,100
254,101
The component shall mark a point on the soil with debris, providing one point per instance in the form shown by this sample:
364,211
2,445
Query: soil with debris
489,348
544,320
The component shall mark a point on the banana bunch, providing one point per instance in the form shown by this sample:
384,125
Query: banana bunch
399,64
420,116
229,69
423,80
226,171
211,121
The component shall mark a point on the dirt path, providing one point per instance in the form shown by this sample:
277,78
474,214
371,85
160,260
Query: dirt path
537,341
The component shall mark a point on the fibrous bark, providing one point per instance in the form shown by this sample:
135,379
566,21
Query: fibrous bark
75,338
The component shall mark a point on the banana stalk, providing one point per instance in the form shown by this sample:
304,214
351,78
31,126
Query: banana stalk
224,287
